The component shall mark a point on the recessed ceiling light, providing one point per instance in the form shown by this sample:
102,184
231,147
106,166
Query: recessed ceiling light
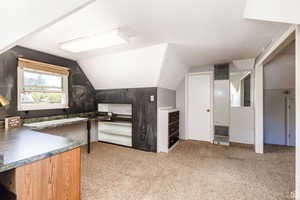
99,41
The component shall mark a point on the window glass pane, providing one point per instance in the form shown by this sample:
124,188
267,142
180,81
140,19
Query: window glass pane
37,98
34,81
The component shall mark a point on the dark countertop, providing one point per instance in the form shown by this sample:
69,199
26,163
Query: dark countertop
23,145
113,120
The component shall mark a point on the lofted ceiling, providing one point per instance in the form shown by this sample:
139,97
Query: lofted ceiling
201,31
279,73
151,66
22,18
274,10
130,69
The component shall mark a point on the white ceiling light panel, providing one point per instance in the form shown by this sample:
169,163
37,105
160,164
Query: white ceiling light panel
98,41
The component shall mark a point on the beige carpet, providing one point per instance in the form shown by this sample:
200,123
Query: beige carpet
193,170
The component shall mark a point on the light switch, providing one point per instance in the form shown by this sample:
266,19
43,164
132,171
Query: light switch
152,98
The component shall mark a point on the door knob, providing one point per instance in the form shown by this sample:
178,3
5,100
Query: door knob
207,110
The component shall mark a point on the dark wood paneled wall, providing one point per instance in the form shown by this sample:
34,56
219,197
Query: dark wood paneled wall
143,110
81,91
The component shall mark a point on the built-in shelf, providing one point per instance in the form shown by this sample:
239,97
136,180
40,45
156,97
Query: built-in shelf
125,134
116,132
168,129
113,141
118,123
173,134
115,138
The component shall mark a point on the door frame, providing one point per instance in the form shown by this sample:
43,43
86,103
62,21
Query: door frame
265,56
288,120
210,73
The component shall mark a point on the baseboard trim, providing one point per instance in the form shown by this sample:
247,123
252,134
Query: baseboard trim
242,145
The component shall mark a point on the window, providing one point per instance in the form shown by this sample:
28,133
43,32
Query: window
41,87
240,88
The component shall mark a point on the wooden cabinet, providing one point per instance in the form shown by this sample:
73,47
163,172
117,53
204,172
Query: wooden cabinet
6,194
173,124
168,129
53,178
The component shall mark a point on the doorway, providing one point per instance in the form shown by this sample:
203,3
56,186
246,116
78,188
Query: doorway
279,99
199,106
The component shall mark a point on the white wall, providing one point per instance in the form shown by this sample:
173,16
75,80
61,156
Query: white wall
273,10
259,109
241,119
21,18
242,125
166,98
280,72
130,69
172,70
245,64
258,97
297,112
180,105
279,76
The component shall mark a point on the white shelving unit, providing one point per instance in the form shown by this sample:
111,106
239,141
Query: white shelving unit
166,132
115,132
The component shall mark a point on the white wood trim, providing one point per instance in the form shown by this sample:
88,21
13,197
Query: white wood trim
274,45
20,89
163,129
187,136
288,120
266,55
212,129
258,109
19,84
298,112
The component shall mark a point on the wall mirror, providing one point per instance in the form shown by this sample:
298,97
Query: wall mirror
240,88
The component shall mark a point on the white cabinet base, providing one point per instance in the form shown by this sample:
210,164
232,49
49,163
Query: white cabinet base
116,133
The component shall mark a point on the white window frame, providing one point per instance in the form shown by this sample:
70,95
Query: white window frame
43,106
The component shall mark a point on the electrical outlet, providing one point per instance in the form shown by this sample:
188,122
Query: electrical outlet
152,98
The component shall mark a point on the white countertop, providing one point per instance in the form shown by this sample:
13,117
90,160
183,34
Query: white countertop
55,123
168,109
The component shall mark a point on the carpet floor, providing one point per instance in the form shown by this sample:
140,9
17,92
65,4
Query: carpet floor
191,171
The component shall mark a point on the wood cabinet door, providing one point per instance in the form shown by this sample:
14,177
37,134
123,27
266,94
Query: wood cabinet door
53,178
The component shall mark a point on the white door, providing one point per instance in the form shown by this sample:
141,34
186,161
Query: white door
199,107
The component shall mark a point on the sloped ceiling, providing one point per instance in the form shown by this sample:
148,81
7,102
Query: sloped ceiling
154,66
280,72
130,69
21,18
201,31
286,11
246,64
172,70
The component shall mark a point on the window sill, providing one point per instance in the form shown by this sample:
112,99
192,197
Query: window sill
44,107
